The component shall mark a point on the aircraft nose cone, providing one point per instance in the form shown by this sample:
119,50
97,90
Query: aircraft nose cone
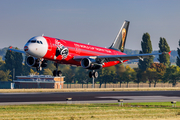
32,50
25,48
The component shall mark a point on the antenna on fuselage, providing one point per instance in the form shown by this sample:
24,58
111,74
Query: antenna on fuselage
42,35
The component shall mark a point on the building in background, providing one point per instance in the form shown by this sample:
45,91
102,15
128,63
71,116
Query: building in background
39,81
6,85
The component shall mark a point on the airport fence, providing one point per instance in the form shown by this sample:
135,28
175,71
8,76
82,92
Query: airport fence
123,85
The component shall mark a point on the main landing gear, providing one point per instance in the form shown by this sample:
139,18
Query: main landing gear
57,72
93,74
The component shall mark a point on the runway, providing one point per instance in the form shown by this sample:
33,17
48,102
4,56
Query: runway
88,97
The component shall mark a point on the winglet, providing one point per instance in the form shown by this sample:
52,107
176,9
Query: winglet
10,48
169,53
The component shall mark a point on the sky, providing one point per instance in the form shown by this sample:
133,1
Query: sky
89,21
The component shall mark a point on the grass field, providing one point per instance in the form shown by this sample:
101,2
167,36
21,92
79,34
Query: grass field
131,111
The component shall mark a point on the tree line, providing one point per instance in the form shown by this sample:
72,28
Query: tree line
147,70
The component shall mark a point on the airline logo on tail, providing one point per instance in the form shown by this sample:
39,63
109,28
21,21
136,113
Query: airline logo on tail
123,38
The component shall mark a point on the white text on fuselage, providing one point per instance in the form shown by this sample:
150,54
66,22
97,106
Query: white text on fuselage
58,43
92,48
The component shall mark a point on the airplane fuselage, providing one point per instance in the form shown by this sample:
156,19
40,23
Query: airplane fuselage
63,51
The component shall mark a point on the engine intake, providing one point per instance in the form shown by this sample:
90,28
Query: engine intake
91,64
34,62
31,61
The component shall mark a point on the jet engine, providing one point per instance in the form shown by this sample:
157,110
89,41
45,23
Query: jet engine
34,62
91,64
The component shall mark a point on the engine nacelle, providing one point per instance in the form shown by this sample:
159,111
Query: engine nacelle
91,64
34,62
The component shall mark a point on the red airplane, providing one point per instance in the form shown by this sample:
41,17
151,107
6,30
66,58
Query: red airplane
39,49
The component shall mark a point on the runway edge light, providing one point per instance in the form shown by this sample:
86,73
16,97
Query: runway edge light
69,100
120,101
173,103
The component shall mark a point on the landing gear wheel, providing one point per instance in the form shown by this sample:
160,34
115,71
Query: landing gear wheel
38,68
90,74
93,74
54,73
57,73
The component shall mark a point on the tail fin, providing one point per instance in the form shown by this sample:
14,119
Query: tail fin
119,42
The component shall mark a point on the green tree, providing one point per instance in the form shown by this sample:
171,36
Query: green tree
164,47
2,63
120,70
172,75
68,72
18,63
47,71
13,60
104,76
9,61
3,51
140,76
129,75
2,76
81,75
32,72
26,68
146,48
5,76
100,77
107,75
178,57
159,70
151,74
8,76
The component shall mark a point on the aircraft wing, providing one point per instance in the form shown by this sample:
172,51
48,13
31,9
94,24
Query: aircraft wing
120,58
15,50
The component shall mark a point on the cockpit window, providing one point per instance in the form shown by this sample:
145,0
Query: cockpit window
33,41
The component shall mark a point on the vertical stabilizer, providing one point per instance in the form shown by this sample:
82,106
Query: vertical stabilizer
119,42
